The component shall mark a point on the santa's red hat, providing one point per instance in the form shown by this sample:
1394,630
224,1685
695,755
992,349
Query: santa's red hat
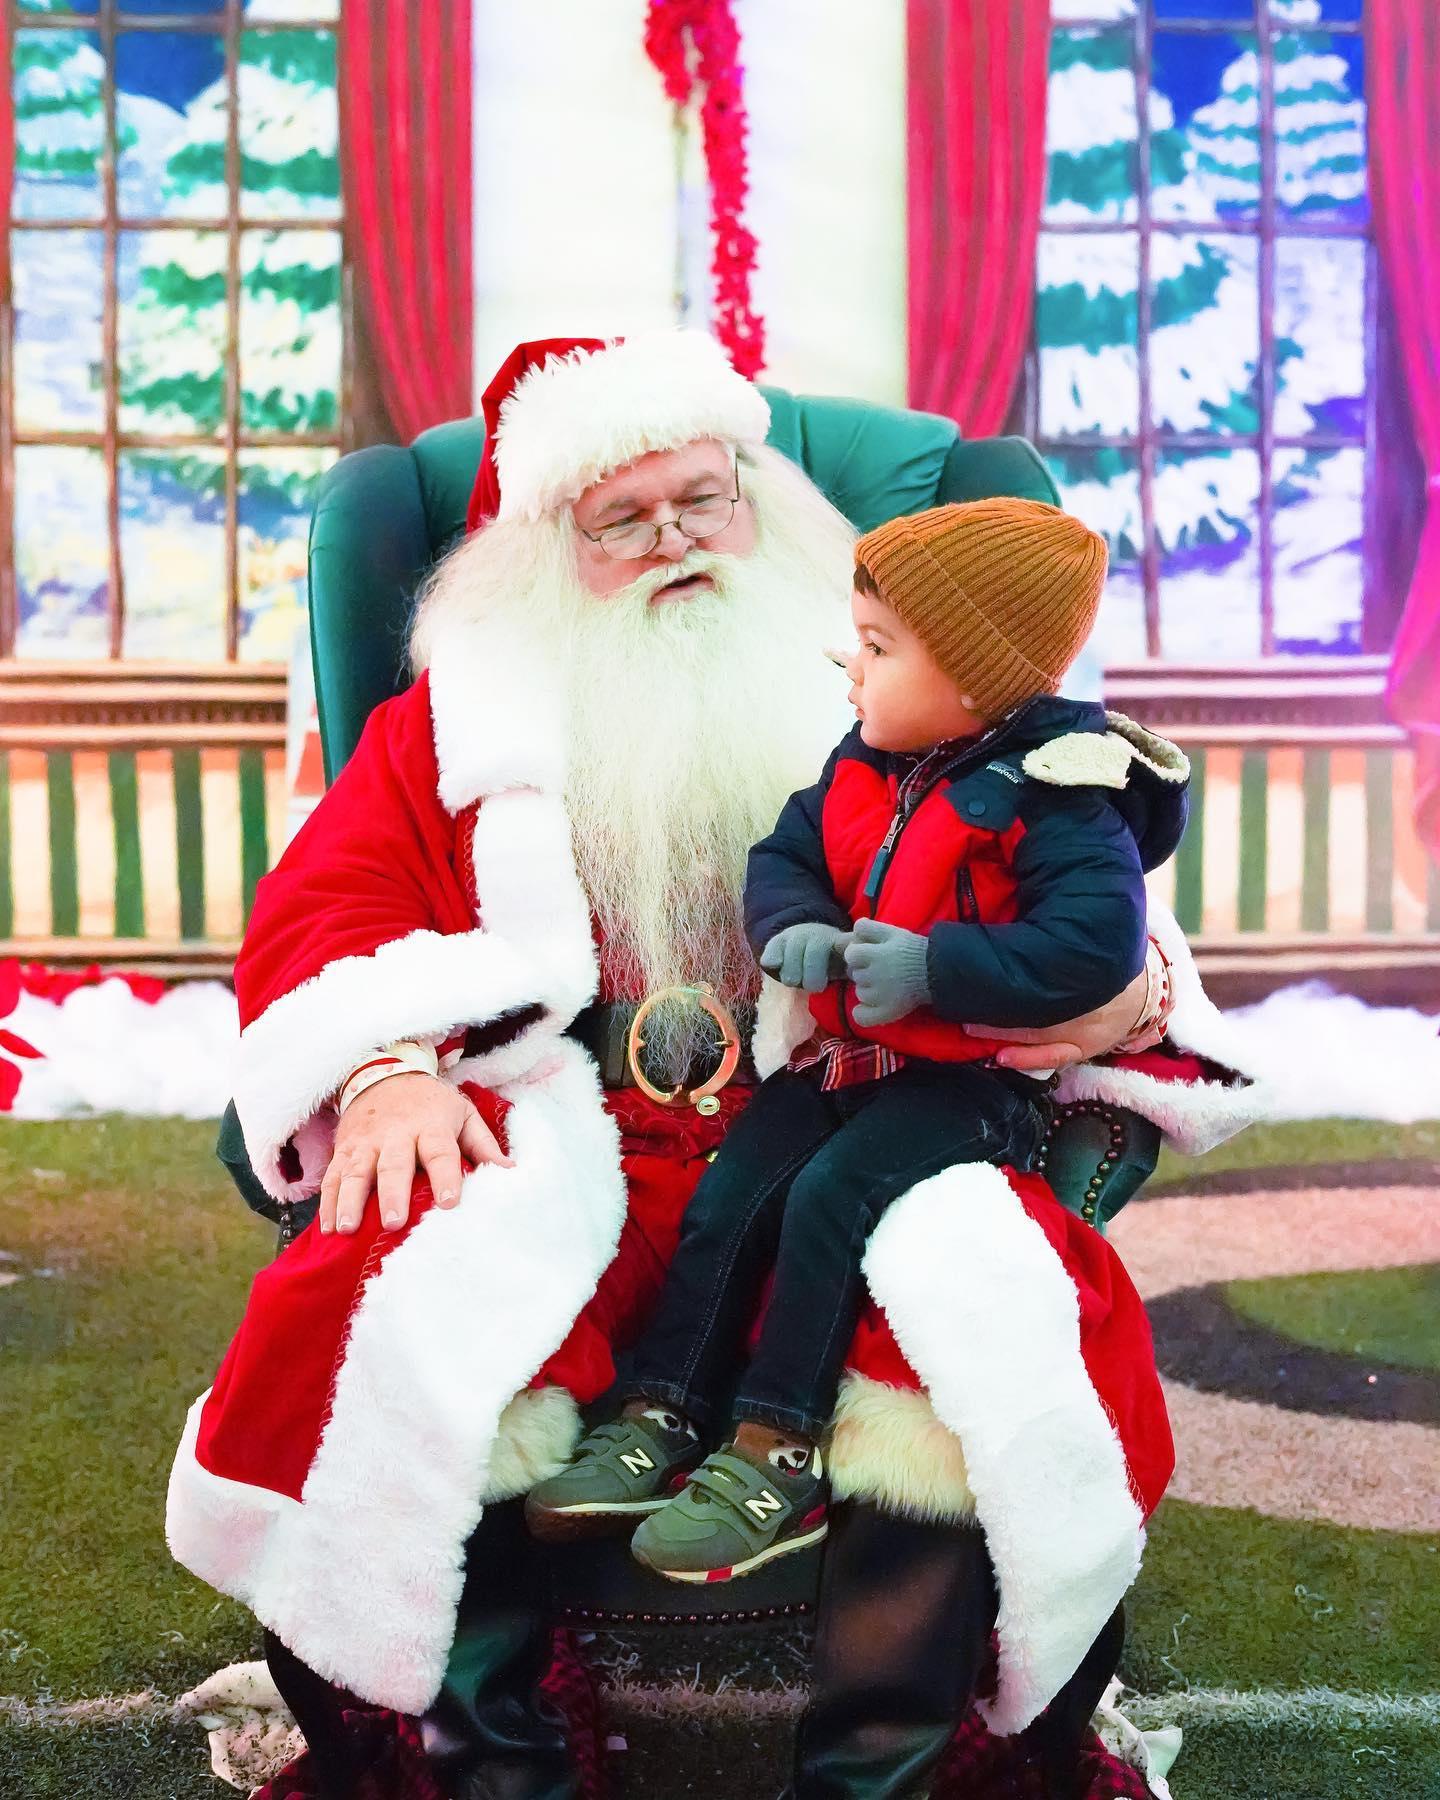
561,413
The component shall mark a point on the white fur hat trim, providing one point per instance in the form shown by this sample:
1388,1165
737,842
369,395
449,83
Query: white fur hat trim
580,417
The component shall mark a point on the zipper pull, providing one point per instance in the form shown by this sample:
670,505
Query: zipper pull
882,858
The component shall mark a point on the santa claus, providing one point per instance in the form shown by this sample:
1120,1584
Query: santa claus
619,679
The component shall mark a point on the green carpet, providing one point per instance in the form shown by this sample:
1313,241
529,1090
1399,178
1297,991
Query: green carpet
135,1256
1377,1315
135,1260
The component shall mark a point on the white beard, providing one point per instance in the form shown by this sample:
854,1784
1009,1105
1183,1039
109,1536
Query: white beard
688,723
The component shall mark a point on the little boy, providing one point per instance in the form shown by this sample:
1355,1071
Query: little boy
974,849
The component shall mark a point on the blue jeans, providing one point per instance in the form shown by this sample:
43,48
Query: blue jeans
798,1186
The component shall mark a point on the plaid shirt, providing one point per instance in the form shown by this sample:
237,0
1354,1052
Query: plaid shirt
847,1061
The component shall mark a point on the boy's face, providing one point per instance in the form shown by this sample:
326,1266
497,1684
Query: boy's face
904,699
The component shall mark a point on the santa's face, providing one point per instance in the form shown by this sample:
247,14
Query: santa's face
653,491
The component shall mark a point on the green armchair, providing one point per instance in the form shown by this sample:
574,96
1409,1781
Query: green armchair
383,517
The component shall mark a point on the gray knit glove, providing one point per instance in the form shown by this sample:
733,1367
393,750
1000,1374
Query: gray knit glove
887,966
808,956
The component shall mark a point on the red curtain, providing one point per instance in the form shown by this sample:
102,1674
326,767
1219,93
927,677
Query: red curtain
405,150
976,155
1403,80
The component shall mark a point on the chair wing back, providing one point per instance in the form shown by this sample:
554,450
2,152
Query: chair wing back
384,516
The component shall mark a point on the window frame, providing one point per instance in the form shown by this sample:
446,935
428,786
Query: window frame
1266,228
106,24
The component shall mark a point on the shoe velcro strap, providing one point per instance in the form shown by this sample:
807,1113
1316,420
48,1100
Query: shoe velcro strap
733,1480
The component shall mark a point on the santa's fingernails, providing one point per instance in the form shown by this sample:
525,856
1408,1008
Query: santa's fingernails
390,1220
449,1197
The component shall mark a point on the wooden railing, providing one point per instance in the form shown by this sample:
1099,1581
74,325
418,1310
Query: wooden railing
139,806
1301,854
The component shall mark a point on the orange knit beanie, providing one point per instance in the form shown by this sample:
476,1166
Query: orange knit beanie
1003,593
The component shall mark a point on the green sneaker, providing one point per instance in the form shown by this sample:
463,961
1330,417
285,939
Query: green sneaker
731,1516
619,1473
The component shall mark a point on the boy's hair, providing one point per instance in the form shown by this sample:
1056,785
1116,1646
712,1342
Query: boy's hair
865,582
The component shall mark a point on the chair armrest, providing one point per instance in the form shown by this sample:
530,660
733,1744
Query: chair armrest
1096,1157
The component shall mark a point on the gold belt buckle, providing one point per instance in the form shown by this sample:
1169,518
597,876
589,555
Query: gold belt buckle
702,1098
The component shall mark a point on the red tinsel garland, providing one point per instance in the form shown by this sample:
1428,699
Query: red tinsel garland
696,41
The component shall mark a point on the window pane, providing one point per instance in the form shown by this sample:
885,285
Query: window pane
59,124
1091,9
1319,336
277,493
172,331
1302,12
1085,328
1320,126
1102,487
1205,9
290,331
289,125
62,562
1205,120
292,9
171,88
1319,574
1206,518
1205,343
1090,127
172,510
57,279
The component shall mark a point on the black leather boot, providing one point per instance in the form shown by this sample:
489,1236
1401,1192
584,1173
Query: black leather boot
1061,1728
491,1734
339,1763
906,1611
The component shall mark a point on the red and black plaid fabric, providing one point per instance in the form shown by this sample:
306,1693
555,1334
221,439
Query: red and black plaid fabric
978,1766
847,1061
400,1770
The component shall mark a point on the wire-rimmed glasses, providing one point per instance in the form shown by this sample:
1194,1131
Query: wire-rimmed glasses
631,539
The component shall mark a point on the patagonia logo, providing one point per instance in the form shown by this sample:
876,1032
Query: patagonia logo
1005,770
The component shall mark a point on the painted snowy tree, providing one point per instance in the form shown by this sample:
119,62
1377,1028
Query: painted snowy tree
1204,339
59,122
172,375
174,342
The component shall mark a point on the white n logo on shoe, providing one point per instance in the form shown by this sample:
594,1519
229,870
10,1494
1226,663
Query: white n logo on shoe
636,1461
764,1504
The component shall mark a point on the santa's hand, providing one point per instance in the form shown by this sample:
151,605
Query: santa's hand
888,969
1077,1040
407,1122
808,956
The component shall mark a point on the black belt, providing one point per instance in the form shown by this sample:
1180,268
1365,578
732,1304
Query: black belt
604,1030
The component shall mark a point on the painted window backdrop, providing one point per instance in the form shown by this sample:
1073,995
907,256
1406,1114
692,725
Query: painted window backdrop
1205,319
177,366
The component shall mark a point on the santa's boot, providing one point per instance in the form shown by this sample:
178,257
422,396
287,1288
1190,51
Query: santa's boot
492,1734
906,1612
1062,1727
339,1764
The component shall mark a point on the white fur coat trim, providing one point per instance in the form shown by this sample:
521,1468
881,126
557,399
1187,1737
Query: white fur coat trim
361,1577
580,417
986,1314
534,949
886,1445
1103,759
497,711
1195,1116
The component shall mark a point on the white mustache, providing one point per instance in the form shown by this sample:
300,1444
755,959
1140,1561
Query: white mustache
644,588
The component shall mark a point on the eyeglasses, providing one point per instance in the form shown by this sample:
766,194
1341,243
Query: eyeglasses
633,538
